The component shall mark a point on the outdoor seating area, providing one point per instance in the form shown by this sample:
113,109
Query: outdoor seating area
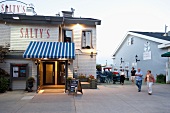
107,77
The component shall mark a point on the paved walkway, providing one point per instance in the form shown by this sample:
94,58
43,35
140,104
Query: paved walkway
106,99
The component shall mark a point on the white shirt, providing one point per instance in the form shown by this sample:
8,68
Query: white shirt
122,73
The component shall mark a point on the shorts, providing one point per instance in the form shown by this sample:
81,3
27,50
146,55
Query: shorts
133,78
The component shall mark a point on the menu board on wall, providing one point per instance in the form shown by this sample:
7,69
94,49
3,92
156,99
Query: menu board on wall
15,71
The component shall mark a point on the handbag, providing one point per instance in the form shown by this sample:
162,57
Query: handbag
153,79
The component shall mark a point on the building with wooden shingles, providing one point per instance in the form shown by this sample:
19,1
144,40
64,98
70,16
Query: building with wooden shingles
49,48
143,50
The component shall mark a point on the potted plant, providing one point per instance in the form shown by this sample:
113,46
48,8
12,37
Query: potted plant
82,78
69,78
30,82
4,81
3,84
93,82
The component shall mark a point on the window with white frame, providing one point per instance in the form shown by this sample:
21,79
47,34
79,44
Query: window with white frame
68,35
86,39
130,41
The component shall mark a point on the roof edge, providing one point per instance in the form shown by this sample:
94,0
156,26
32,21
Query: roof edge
141,36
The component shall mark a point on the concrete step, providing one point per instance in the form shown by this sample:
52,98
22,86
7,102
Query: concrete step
52,91
53,87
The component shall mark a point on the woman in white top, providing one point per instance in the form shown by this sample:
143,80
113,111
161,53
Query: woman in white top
122,77
149,78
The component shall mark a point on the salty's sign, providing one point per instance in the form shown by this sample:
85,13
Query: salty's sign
13,6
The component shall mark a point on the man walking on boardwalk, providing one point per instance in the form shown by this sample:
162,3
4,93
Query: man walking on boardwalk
139,75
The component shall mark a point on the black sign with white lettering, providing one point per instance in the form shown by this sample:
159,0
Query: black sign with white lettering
73,85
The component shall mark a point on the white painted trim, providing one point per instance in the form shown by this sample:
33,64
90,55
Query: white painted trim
149,38
165,45
144,37
120,44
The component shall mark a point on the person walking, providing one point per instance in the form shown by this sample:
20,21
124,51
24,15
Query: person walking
149,78
138,76
122,77
133,71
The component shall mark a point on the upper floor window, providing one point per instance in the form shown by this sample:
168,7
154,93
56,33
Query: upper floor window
130,41
67,35
86,39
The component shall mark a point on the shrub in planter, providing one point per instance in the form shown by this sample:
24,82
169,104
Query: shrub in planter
69,78
6,76
30,82
91,77
3,84
93,82
83,78
161,78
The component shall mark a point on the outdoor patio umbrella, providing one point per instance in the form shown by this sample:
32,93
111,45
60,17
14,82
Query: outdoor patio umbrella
167,54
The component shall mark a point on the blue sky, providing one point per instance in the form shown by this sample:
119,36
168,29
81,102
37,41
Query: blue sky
118,17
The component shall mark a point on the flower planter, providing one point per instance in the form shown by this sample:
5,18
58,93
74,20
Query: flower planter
30,86
93,84
83,79
30,83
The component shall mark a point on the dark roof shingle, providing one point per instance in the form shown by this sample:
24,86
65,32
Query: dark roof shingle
159,35
38,19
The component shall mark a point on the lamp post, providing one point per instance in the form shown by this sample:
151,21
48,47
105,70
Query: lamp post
136,57
113,66
121,60
91,54
106,62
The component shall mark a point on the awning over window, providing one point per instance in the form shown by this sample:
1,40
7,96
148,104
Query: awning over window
167,54
52,50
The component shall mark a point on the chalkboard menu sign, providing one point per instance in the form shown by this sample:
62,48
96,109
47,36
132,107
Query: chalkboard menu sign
75,86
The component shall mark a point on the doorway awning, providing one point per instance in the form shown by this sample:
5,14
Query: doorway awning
167,54
51,50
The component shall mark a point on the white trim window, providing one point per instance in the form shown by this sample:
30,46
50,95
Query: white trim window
86,39
68,35
130,41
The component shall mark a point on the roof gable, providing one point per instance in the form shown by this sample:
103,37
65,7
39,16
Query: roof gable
153,36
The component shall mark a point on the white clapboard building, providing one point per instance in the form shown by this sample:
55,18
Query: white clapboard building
49,48
143,50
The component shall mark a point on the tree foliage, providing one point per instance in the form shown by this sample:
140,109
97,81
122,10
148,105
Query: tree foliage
98,67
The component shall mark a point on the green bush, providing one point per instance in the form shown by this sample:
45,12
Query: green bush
161,78
3,84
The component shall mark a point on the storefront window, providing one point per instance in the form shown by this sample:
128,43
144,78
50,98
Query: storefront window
86,39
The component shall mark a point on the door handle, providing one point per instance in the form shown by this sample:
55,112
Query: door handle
53,73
